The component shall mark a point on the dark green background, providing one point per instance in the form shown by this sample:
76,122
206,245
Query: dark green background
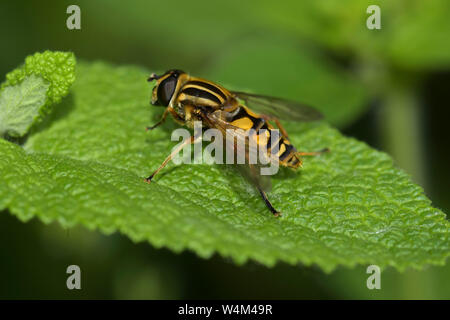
396,100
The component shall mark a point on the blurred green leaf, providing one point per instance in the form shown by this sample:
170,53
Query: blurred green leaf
20,105
349,207
282,69
413,34
155,26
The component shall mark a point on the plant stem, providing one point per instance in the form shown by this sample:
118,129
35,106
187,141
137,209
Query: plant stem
402,131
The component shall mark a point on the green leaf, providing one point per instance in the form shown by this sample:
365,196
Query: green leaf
55,67
349,207
20,105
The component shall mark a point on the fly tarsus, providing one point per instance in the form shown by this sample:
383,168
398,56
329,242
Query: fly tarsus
269,205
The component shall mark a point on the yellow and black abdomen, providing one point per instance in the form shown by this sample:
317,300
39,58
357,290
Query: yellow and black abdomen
287,154
275,144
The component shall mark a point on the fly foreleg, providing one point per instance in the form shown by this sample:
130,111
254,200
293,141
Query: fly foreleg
191,140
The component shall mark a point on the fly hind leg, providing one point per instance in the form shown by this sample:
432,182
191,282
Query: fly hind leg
255,178
278,123
299,154
269,205
315,153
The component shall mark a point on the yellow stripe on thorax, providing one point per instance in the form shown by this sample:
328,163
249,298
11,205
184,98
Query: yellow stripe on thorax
199,87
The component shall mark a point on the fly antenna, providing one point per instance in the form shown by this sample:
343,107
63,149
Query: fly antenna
152,77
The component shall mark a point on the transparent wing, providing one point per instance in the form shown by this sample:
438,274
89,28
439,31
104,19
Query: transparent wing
252,174
279,108
238,144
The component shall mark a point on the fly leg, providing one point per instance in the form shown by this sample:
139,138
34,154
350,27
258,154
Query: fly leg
255,178
275,212
164,116
191,140
161,121
278,123
299,154
316,153
282,130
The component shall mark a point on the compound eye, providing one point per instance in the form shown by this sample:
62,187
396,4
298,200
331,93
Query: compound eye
166,90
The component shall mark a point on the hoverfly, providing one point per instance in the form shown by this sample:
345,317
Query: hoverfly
190,99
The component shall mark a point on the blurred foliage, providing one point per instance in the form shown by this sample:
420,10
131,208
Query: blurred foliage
411,52
414,33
